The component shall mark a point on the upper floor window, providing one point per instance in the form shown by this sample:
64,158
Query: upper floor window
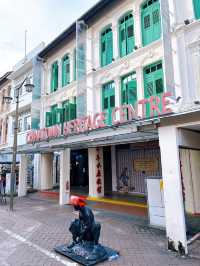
106,47
69,110
65,70
196,4
108,100
126,35
151,23
27,123
153,82
54,76
129,89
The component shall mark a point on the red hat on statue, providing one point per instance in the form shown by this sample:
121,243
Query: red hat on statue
77,201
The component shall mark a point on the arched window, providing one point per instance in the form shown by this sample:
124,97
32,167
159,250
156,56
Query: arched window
65,70
106,47
126,34
151,24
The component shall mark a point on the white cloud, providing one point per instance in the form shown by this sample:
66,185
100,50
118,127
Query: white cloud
43,19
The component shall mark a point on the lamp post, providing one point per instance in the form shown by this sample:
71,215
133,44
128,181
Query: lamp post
29,87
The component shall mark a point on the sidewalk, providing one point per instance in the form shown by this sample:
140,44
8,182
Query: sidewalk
28,236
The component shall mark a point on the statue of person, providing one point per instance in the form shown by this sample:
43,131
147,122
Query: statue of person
84,228
124,178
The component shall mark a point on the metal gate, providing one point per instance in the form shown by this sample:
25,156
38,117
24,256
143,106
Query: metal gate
126,158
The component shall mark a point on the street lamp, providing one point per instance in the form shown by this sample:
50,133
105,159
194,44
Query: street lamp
29,87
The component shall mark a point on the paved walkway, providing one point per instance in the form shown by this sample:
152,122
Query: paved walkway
29,234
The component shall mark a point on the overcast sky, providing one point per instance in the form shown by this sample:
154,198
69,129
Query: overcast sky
43,19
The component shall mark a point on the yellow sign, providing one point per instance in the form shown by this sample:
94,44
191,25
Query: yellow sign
147,165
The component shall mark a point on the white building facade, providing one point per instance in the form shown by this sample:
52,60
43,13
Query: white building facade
120,97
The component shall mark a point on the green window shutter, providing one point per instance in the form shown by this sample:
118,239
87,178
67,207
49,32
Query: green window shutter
59,115
52,78
66,111
56,76
130,34
156,21
48,119
65,71
75,64
106,47
72,111
153,82
108,101
122,37
196,4
53,111
109,46
103,49
150,20
132,92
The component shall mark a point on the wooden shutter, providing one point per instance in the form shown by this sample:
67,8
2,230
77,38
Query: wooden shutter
52,78
108,101
55,76
65,71
156,23
196,4
103,49
109,46
59,115
48,119
132,91
72,111
153,82
130,34
122,37
146,24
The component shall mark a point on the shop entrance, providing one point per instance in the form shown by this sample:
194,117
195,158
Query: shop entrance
79,178
107,170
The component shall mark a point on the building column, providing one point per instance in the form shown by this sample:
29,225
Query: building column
137,27
64,177
36,171
115,39
114,168
96,173
22,186
46,171
173,197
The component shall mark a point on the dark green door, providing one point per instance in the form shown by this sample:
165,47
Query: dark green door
108,101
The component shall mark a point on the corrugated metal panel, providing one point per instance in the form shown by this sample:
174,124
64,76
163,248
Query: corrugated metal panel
125,158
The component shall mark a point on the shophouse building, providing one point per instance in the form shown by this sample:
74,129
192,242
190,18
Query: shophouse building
120,103
29,118
5,88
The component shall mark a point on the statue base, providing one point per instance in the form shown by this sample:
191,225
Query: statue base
87,254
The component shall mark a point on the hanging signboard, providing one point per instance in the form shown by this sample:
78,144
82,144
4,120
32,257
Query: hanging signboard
146,165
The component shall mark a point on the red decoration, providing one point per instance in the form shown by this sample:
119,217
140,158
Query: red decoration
99,189
98,181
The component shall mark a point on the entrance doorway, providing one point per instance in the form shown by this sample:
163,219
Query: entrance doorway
107,170
79,177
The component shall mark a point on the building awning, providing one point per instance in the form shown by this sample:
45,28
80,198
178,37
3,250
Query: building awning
114,135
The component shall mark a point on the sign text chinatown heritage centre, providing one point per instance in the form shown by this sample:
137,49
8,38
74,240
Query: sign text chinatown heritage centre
157,106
